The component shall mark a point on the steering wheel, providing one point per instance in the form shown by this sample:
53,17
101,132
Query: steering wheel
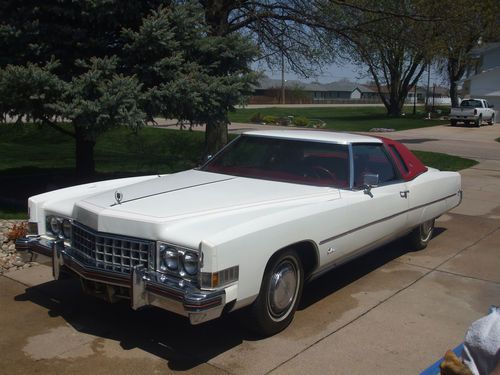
322,172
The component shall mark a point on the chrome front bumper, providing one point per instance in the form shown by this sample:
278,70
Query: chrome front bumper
146,287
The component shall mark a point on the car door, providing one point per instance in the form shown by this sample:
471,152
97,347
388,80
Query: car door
371,216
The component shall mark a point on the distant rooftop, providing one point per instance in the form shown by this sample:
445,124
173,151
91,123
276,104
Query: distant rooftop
269,83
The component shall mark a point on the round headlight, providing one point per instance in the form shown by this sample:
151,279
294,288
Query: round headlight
66,228
169,259
190,262
55,225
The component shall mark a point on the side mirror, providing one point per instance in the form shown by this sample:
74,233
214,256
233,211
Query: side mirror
369,181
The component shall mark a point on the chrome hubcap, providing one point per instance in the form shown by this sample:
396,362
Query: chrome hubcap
283,289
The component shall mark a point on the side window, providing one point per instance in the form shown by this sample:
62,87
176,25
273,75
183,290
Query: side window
372,159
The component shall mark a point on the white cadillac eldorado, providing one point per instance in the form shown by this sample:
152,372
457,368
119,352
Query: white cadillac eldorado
269,212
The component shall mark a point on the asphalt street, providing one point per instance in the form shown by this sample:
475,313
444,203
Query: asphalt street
392,311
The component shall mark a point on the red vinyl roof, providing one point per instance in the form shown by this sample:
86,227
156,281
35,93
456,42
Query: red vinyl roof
412,165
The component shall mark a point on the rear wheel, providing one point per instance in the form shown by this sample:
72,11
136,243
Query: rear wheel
492,120
479,121
279,295
420,236
453,122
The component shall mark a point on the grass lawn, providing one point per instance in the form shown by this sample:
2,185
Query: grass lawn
152,150
35,160
444,162
345,118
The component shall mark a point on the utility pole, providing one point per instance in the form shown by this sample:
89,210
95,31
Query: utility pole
415,100
428,87
433,95
282,77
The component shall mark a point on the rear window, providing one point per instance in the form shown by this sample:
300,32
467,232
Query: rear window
470,103
399,158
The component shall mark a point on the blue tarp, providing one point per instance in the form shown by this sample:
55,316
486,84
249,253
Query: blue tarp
434,369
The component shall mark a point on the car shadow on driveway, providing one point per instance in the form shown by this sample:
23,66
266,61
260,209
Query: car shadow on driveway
153,330
349,272
171,337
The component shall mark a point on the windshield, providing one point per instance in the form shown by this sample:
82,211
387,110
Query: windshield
286,160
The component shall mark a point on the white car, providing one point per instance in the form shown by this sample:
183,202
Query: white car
271,211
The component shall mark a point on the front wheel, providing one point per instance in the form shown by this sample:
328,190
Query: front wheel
420,236
453,122
492,120
279,295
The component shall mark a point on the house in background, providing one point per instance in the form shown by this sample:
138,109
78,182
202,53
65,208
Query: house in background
437,96
483,76
341,91
269,91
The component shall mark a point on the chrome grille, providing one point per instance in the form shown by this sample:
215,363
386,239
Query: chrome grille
110,252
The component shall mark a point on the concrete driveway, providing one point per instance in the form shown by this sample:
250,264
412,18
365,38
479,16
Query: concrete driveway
389,312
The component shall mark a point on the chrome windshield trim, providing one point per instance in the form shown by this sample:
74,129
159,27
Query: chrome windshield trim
351,166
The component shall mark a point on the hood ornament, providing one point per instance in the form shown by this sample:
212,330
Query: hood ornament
118,196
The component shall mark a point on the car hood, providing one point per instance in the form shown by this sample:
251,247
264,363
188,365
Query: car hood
189,194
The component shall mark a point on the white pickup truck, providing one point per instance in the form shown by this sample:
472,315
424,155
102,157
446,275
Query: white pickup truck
473,111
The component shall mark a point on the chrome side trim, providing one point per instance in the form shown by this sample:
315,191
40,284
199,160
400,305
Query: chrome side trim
386,218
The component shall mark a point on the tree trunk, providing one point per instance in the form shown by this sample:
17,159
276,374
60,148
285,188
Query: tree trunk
215,137
455,73
454,94
216,17
84,155
395,104
394,109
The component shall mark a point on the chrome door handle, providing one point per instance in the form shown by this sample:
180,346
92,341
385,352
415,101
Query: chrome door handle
404,193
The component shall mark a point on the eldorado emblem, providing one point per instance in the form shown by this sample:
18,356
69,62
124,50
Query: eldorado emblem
118,196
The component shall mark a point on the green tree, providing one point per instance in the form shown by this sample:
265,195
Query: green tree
56,67
190,74
390,41
466,24
93,102
289,30
164,64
